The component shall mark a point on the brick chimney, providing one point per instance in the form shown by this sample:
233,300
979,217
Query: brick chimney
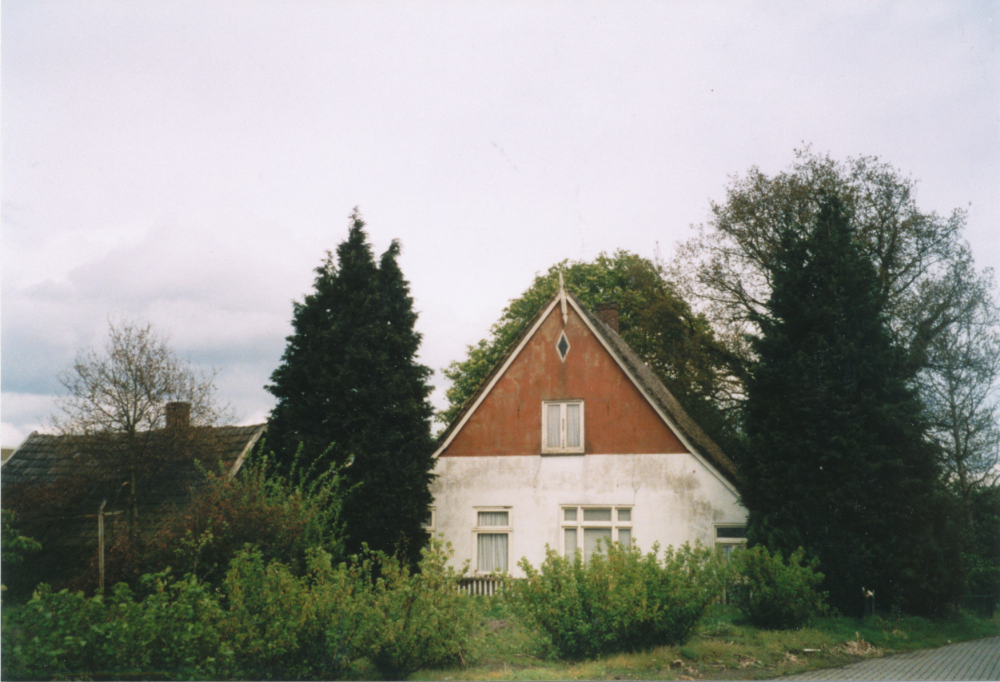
178,415
608,314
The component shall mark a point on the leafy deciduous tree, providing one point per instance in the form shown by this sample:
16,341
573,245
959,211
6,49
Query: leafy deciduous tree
923,268
349,385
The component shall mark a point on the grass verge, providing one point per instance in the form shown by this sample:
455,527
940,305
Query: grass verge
723,647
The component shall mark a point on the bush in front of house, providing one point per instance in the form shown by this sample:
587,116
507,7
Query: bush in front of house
175,630
265,621
283,515
773,593
413,619
621,599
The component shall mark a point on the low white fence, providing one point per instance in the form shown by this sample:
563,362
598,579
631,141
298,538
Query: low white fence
482,586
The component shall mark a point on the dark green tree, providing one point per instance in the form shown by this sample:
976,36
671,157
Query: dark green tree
653,319
837,457
350,392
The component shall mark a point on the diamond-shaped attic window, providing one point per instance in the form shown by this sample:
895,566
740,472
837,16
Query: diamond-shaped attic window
563,345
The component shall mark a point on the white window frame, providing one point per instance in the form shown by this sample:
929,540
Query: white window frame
615,524
728,545
562,448
429,526
492,530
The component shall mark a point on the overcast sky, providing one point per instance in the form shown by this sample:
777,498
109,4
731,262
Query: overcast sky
190,163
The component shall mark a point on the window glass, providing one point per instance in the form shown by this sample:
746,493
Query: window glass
569,514
739,532
570,542
553,431
492,551
493,518
573,425
591,536
624,514
596,514
625,537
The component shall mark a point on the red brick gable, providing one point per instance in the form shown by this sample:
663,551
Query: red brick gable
617,417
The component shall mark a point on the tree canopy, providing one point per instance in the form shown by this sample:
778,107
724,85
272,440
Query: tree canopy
837,458
653,319
924,270
350,393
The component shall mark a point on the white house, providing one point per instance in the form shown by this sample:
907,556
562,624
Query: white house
572,438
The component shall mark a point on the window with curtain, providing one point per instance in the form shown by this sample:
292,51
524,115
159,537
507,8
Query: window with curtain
492,540
586,527
562,426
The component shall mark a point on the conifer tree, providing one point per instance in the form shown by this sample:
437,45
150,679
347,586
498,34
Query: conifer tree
837,457
350,392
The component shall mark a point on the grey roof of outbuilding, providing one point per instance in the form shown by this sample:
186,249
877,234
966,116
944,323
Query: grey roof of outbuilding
45,460
644,376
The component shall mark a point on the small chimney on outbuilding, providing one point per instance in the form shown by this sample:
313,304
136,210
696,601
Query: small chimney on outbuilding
608,314
178,415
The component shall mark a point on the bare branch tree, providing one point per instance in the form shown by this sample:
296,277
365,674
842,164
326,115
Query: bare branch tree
135,411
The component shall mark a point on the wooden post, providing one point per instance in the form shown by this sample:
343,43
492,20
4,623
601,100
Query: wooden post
100,539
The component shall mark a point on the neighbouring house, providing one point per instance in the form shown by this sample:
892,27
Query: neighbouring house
67,498
571,440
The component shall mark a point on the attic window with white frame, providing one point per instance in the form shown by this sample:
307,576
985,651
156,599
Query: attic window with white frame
562,426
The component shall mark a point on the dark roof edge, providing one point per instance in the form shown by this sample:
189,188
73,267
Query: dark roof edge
653,386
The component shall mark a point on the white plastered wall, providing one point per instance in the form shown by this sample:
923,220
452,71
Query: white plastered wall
674,499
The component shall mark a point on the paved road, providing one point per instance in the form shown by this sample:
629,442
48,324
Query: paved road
975,660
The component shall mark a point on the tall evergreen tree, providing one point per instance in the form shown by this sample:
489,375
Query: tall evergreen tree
350,392
837,457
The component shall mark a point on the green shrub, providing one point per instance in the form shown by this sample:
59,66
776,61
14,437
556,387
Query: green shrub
174,630
287,626
773,593
283,515
621,600
410,620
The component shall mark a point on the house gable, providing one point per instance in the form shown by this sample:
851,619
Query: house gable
506,417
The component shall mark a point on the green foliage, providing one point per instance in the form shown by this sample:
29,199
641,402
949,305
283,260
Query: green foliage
350,391
263,622
174,630
282,514
412,619
15,545
286,626
837,460
619,601
983,559
773,593
653,319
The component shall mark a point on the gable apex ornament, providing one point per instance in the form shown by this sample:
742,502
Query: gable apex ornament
562,297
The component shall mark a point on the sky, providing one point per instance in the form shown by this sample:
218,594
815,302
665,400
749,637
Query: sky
190,163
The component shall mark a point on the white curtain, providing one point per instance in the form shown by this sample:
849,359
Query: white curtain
552,418
573,426
492,551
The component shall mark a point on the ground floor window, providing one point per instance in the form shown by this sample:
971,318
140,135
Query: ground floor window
730,537
492,531
428,523
583,527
